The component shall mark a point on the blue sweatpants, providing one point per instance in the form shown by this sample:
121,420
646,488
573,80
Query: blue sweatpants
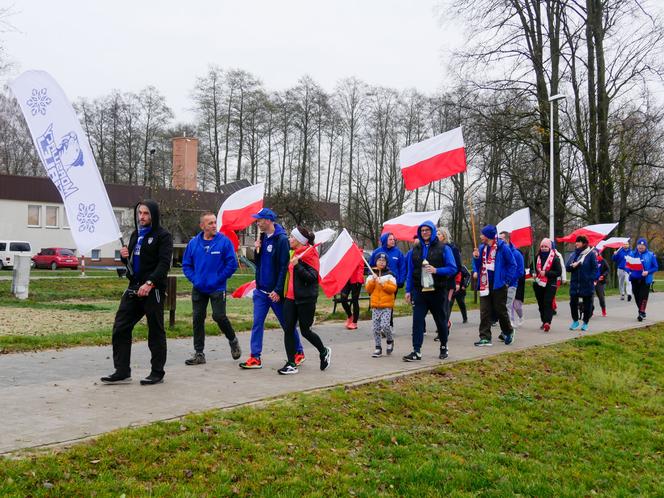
262,305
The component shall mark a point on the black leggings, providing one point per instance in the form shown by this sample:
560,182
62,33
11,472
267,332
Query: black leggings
599,290
303,315
354,291
641,289
460,298
587,307
545,297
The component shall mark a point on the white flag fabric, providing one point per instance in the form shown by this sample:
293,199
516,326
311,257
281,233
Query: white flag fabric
66,155
519,226
404,227
324,235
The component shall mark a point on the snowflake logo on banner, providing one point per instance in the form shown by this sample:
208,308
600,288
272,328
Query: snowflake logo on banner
39,101
86,217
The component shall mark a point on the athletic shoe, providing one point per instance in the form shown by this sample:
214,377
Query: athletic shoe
584,327
622,298
349,320
414,356
520,322
501,337
152,379
574,325
325,360
639,318
629,298
352,326
378,352
299,358
288,369
252,363
437,338
546,327
236,352
465,320
493,324
116,378
444,353
390,347
604,312
196,359
509,339
483,343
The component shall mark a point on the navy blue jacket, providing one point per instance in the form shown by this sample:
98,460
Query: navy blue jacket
520,266
272,261
619,257
209,270
582,282
504,266
396,261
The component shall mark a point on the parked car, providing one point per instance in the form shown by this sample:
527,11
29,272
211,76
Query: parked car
9,249
55,257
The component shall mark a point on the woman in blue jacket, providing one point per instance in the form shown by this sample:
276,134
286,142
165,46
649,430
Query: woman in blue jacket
582,265
642,279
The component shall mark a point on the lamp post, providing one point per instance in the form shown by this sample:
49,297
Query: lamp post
552,99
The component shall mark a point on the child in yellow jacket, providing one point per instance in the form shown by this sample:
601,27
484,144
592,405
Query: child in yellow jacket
382,287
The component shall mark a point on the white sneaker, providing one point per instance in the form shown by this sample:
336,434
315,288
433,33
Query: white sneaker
378,352
520,321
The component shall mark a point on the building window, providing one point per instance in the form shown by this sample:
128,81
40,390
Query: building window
34,215
51,216
65,220
117,255
95,255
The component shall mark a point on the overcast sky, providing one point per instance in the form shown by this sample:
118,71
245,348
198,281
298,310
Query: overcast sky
92,47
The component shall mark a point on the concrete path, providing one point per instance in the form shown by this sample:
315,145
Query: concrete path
55,397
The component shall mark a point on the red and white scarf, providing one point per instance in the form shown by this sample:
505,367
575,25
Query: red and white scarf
488,264
542,280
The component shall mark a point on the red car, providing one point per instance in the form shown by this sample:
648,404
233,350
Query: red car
55,257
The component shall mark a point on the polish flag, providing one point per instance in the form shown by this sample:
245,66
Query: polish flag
338,263
322,236
612,243
519,226
632,263
594,233
433,159
404,227
245,290
235,213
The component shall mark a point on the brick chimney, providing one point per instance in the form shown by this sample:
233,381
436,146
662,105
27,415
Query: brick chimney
185,162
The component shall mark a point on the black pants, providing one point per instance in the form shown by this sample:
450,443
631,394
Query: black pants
599,291
434,302
460,298
132,309
352,290
586,307
544,296
199,303
303,315
640,290
494,305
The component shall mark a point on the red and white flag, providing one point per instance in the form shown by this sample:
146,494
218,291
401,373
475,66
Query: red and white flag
338,263
433,159
594,233
235,213
519,226
632,263
612,243
245,290
404,227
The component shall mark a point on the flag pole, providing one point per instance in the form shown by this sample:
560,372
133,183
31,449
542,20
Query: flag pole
129,270
472,220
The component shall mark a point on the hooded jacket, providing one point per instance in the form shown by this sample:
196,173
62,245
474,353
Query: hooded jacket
582,281
272,261
438,255
156,251
303,277
382,290
520,266
209,270
619,257
649,261
505,267
396,261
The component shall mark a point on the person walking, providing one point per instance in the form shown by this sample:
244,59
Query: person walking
494,264
148,258
382,287
271,256
209,261
430,266
582,265
547,271
624,283
352,288
396,261
600,283
453,284
641,279
301,297
513,286
463,280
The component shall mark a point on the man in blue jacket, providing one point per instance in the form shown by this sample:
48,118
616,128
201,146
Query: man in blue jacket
430,265
272,255
208,262
494,264
642,279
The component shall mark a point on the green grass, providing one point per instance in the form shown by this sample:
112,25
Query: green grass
578,419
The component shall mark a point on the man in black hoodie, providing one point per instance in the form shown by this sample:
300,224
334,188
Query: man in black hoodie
148,259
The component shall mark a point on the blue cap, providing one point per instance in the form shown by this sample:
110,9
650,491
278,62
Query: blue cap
265,214
489,232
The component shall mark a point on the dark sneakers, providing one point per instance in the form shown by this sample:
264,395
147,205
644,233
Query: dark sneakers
196,359
444,353
236,352
288,369
390,347
152,379
116,378
414,356
325,360
483,343
509,338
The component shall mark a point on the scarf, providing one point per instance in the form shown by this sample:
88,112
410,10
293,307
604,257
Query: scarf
309,255
542,281
488,264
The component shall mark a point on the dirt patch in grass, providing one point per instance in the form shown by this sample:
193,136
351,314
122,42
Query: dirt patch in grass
39,322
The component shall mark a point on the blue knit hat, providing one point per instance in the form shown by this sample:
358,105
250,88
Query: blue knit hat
643,241
489,231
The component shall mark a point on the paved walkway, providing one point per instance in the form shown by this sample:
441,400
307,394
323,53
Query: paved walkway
55,397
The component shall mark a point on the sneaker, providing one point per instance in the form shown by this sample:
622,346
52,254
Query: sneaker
196,359
116,378
288,369
574,325
493,324
325,360
639,318
603,312
378,352
465,320
509,339
520,322
546,327
299,358
252,363
414,356
584,327
390,347
349,320
152,379
352,326
629,298
501,337
483,343
437,338
236,352
444,353
622,298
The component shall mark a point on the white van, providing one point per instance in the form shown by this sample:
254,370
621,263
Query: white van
10,248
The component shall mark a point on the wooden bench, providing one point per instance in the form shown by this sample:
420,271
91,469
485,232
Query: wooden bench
337,299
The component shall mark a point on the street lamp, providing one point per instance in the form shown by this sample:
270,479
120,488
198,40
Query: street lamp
552,99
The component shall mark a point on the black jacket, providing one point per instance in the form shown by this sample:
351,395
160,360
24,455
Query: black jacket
156,251
305,283
553,274
436,258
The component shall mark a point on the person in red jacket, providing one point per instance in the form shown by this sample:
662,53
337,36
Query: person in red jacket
352,289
